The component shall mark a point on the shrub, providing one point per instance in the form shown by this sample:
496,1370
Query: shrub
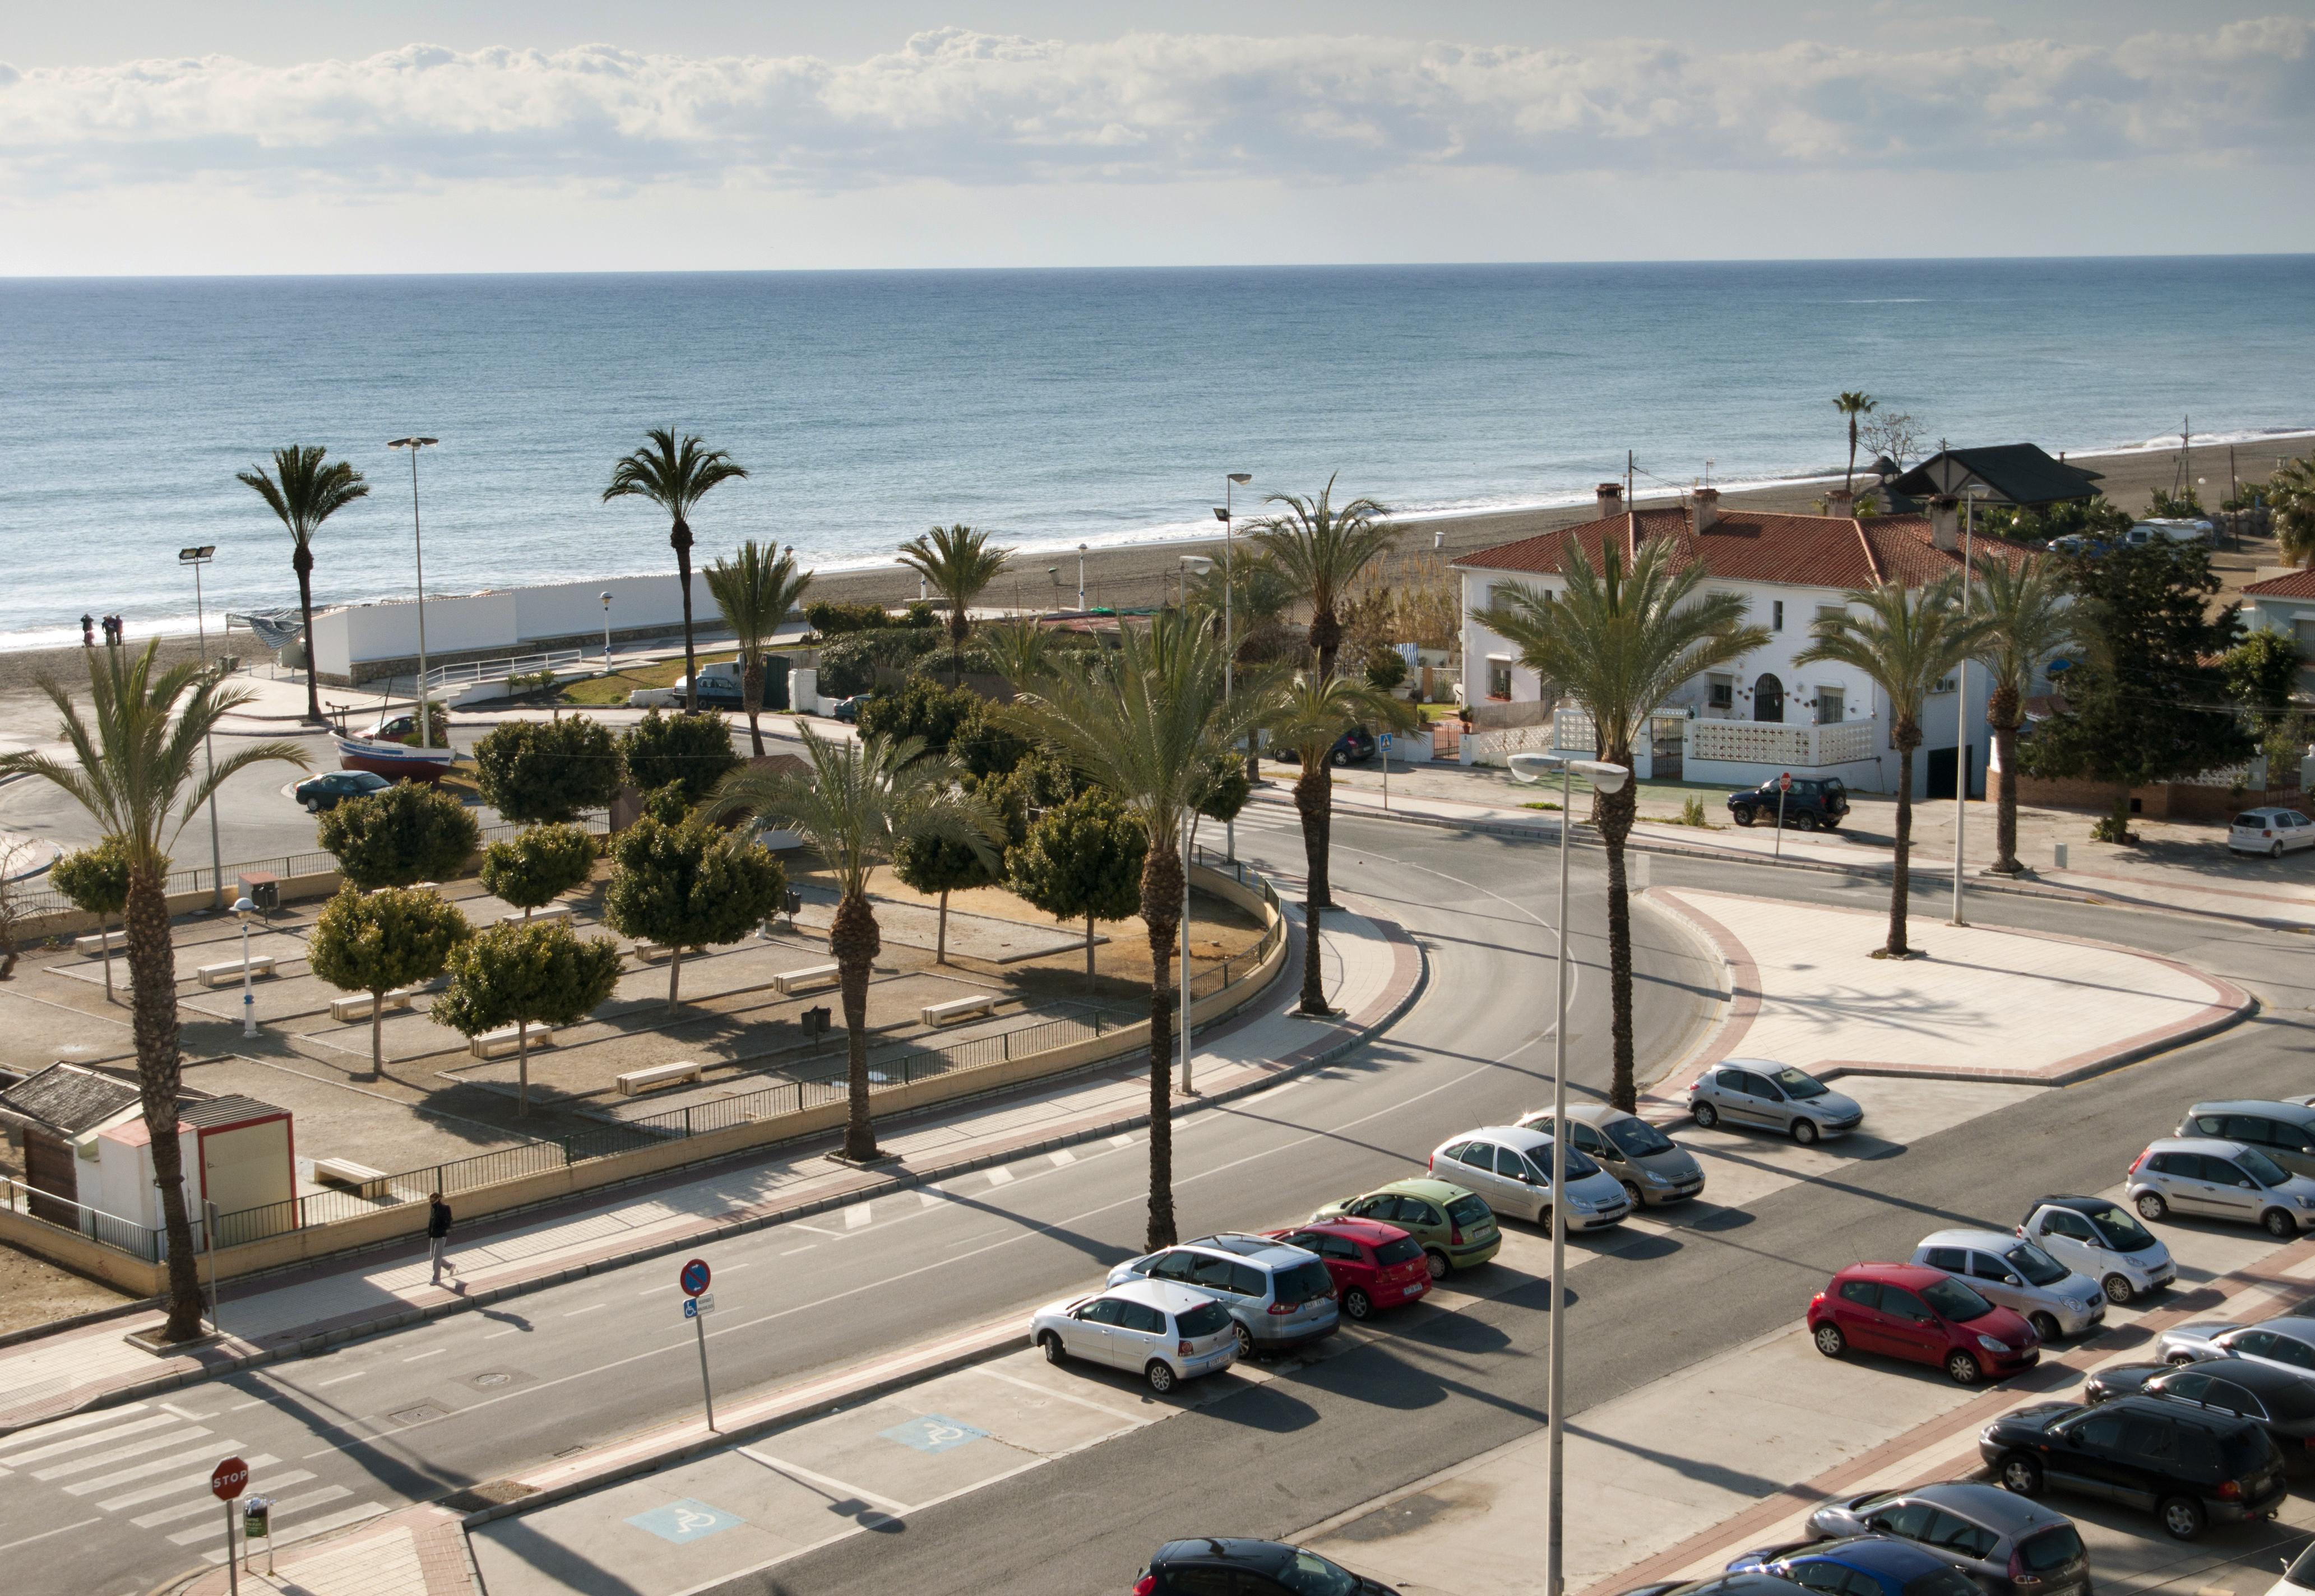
921,708
1385,669
535,868
543,772
693,751
409,832
848,665
831,619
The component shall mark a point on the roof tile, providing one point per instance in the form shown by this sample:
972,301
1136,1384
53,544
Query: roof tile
1755,546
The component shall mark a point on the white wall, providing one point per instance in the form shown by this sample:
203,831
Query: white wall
509,619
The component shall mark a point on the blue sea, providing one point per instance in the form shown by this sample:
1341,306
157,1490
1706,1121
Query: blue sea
1053,406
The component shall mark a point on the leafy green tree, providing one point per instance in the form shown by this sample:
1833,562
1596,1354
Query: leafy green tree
305,491
2096,517
547,772
754,589
675,476
1852,405
985,746
1385,668
411,831
2262,672
941,865
1081,859
533,869
130,769
958,564
692,751
2028,620
1223,788
1621,640
849,664
689,886
1322,550
2291,500
921,709
524,974
2169,506
95,881
374,942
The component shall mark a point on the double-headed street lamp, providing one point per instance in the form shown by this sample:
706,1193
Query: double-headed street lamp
197,557
1607,778
417,542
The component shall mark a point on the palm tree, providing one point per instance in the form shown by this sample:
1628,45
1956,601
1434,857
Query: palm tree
1311,714
956,562
675,476
2291,495
2023,609
1620,640
1853,405
754,589
1905,643
1022,650
860,802
1146,722
133,762
1321,550
305,492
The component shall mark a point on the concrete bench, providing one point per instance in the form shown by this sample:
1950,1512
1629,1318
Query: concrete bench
498,1043
355,1005
94,946
659,1075
957,1009
552,911
345,1172
650,951
811,975
260,966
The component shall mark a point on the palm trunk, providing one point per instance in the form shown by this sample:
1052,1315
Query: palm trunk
1161,912
522,1068
104,934
1314,796
856,940
302,562
2005,809
680,539
1849,483
1314,984
1901,881
752,694
1325,633
153,989
674,975
1614,813
940,936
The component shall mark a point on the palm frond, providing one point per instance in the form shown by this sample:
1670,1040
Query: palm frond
674,473
1311,713
1906,642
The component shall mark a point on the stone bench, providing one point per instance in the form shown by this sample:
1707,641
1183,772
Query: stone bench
649,953
498,1043
811,975
659,1075
355,1005
260,965
552,911
345,1172
94,946
957,1009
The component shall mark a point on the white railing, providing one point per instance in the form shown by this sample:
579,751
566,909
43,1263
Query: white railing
1789,747
482,670
1496,748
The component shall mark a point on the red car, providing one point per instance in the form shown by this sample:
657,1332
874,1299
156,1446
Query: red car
1924,1316
1373,1264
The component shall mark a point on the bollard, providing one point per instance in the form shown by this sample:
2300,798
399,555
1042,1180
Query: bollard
2060,862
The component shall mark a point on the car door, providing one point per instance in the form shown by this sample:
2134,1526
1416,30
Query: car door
2231,1193
1743,1096
1478,1171
1856,1309
1414,1215
2290,1145
2079,1451
1913,1330
1138,1337
1086,1333
1587,1139
2142,1470
1526,1186
2179,1177
1996,1281
1346,1266
2068,1237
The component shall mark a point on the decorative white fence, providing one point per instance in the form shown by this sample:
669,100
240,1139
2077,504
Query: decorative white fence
1496,748
1789,747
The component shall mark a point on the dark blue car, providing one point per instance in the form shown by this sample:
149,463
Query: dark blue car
1862,1565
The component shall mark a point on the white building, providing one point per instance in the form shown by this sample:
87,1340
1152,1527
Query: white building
2283,600
1766,714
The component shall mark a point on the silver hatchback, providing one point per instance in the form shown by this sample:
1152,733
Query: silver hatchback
2285,1131
1279,1296
2020,1276
1510,1167
1654,1168
2210,1178
1754,1092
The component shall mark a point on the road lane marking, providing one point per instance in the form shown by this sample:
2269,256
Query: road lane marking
511,1330
80,1422
321,1526
1136,1420
151,1443
816,1230
420,1357
806,1247
1000,1176
341,1379
207,1450
931,1197
191,1418
797,1471
590,1307
311,1499
170,1515
856,1216
199,1479
58,1447
44,1534
1121,1141
1062,1157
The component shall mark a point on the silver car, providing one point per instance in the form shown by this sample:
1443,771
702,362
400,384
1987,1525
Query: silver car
1162,1332
1754,1092
2286,1342
1654,1169
2019,1275
2213,1179
1511,1170
1279,1296
2011,1546
2285,1131
2096,1236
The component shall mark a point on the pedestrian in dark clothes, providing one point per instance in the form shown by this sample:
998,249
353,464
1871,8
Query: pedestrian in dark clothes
438,1231
88,630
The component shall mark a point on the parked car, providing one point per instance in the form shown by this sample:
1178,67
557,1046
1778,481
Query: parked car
2286,1342
1512,1169
1453,1224
1749,1583
2096,1236
849,709
333,787
1860,1565
1754,1092
1208,1564
2080,543
2297,1576
2009,1546
1279,1296
716,692
2191,1469
1814,803
1163,1331
2281,1400
2221,1180
1652,1167
1923,1316
1353,746
2274,832
2285,1131
1373,1266
2019,1276
2170,529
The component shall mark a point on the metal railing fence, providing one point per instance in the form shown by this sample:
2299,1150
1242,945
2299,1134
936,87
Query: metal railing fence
123,1235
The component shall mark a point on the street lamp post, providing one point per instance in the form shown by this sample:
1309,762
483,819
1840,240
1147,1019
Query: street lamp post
1970,496
1186,813
418,544
197,557
1081,555
243,907
1230,480
1607,778
606,634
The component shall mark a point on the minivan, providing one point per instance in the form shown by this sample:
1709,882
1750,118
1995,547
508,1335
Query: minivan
2284,1131
1280,1296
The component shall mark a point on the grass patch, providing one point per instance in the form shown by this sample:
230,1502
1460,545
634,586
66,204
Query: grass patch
1440,712
601,691
1539,803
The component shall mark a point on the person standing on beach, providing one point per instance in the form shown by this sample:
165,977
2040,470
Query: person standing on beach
438,1231
87,631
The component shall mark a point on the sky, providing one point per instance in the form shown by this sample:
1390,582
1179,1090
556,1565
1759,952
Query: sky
150,137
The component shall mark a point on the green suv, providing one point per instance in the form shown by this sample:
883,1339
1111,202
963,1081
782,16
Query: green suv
1456,1228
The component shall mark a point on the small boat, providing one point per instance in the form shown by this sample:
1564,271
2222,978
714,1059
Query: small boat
381,750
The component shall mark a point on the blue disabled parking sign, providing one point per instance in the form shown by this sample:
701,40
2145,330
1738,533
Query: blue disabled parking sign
934,1434
685,1522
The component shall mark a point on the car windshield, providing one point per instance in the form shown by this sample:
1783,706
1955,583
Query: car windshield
1305,1282
1580,1166
1638,1137
1468,1211
1799,1085
2121,1232
1404,1250
2052,1548
1309,1574
1953,1301
2260,1168
2037,1266
1203,1320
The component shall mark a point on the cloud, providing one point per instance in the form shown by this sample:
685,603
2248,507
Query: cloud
977,109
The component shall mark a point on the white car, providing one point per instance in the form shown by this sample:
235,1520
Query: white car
1511,1170
2297,1576
2286,1342
2019,1276
2274,832
1163,1333
2096,1238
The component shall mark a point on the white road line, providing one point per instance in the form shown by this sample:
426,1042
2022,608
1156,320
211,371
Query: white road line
151,1443
252,1402
170,1515
44,1534
1061,1157
646,1292
206,1452
198,1480
1121,1141
58,1447
106,1416
825,1482
590,1307
1136,1420
816,1230
736,1268
1000,1176
806,1247
856,1216
341,1379
191,1418
321,1526
931,1198
420,1357
311,1499
494,1335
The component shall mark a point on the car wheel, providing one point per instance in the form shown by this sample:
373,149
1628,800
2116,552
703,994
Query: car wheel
1704,1114
1244,1342
2273,853
1805,822
2279,1224
1633,1192
2182,1518
1161,1376
1437,1261
2150,1205
1804,1131
1743,817
2045,1327
2179,1359
2118,1290
313,806
2021,1476
1829,1341
1339,756
1964,1369
1051,1345
1357,1304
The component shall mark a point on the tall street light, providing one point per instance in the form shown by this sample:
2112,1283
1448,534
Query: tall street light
1970,496
607,634
1607,778
417,542
1192,565
197,557
1081,555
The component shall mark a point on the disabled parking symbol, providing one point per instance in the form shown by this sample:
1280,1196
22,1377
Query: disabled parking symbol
684,1522
934,1434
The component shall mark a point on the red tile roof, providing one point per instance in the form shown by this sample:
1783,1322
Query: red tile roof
1753,545
2296,584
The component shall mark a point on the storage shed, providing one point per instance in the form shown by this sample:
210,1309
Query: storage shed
58,1113
238,1153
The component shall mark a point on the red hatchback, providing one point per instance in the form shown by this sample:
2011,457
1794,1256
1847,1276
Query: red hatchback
1373,1264
1924,1316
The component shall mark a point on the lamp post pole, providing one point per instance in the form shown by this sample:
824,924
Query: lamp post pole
418,544
243,907
606,634
1961,700
1081,555
1185,950
1230,480
197,557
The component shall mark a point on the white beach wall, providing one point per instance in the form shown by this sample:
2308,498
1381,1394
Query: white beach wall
350,636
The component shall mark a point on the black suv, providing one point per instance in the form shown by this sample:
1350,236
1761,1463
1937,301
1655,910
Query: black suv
1815,804
1210,1567
2190,1469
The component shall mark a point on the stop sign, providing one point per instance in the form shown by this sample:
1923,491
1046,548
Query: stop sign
1785,782
227,1478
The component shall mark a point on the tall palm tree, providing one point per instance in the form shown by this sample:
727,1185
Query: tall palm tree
1620,640
860,802
1311,715
1905,643
1321,549
1022,650
2026,613
1853,405
2291,496
675,476
133,768
1146,722
958,564
305,491
754,589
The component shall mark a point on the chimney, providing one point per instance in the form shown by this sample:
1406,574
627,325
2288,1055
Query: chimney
1840,503
1707,507
1945,524
1611,500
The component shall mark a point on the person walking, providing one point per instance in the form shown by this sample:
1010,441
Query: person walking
87,631
438,1231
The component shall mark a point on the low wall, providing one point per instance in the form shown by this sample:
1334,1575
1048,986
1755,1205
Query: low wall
84,1254
294,888
2166,801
